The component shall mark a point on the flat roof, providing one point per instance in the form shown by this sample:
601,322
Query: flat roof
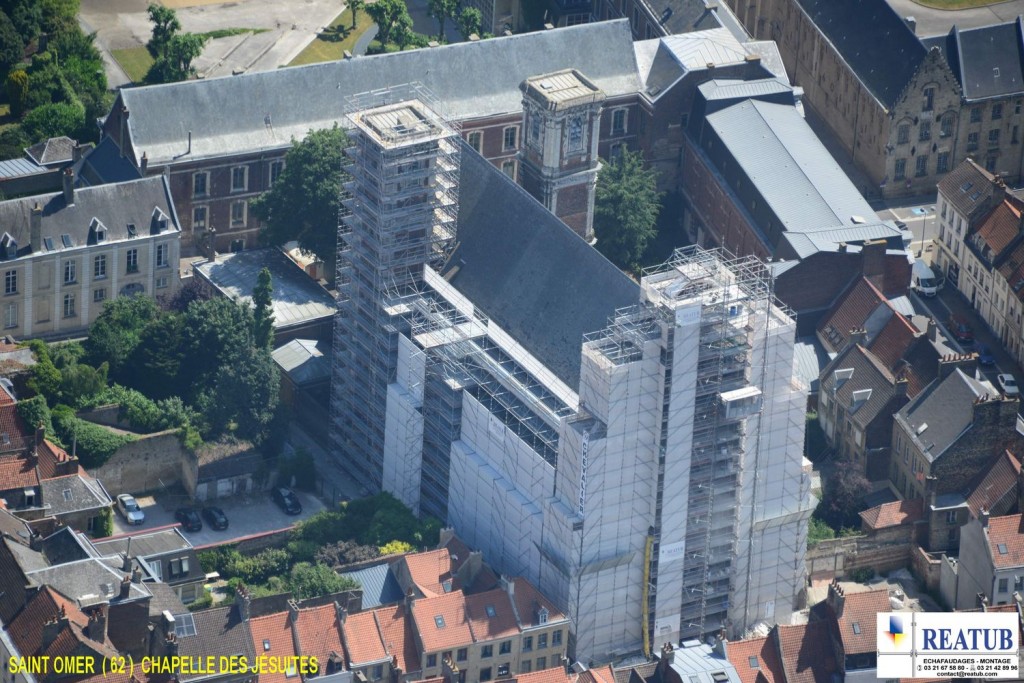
401,123
297,298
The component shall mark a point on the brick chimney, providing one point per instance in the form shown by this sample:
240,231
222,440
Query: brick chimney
983,517
933,330
929,489
900,388
126,587
53,627
858,335
76,152
968,362
668,655
872,260
68,178
836,597
96,629
340,611
36,228
242,602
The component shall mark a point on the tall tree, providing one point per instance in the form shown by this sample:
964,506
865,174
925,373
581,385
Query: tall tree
263,323
402,32
304,203
355,6
442,10
469,22
114,335
165,26
625,209
176,62
386,14
12,49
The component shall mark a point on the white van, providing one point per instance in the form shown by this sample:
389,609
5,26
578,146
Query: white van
924,280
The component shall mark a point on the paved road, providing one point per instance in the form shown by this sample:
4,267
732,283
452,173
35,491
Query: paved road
933,22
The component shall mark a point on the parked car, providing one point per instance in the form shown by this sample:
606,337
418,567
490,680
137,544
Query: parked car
130,509
1009,385
960,329
189,519
287,501
216,518
985,356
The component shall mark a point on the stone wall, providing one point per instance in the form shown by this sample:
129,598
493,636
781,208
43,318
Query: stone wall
151,462
926,568
884,552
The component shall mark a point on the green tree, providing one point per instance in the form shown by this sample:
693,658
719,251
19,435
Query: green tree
470,21
79,382
844,490
45,379
625,209
313,580
245,393
176,62
13,142
394,547
12,49
35,412
355,6
263,315
17,91
386,14
54,120
165,26
114,335
155,364
442,10
304,203
59,15
106,524
215,333
27,17
403,33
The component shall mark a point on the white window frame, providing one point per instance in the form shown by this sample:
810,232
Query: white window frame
70,272
504,138
515,168
161,282
99,295
99,267
11,315
11,282
245,214
69,305
245,179
131,262
163,255
479,135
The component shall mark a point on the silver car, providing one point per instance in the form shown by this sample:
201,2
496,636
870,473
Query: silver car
1009,385
130,510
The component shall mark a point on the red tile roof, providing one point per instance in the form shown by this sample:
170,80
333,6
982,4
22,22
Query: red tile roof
49,456
363,639
999,228
997,483
481,606
601,674
756,660
17,472
892,514
893,340
1012,270
396,630
529,600
10,422
857,623
1007,532
552,675
26,629
429,570
318,634
850,312
272,637
807,654
442,622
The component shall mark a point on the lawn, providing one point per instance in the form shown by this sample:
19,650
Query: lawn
335,39
135,61
957,4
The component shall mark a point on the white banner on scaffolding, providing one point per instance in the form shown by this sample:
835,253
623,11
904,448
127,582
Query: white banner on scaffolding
584,448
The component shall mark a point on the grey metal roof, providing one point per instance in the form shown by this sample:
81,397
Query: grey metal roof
941,413
990,60
771,58
804,243
810,357
728,89
792,169
15,168
380,587
529,272
266,110
874,40
138,203
302,361
297,298
144,544
696,663
87,580
72,493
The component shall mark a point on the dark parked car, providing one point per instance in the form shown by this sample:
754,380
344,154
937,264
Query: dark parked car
216,518
287,501
985,356
189,519
960,329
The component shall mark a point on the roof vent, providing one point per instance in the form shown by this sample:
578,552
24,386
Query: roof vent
920,430
857,220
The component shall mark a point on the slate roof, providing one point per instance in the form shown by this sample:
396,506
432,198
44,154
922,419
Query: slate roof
104,164
219,632
14,528
64,545
945,410
970,189
144,543
989,60
806,653
88,580
869,375
115,206
379,585
996,483
756,660
73,493
792,170
302,361
875,41
53,151
513,253
297,298
272,637
1007,531
1012,270
893,514
164,599
473,79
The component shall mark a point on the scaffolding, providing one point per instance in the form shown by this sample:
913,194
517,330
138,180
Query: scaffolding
399,213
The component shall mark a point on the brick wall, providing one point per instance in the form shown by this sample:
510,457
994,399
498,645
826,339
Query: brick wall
151,462
926,568
884,551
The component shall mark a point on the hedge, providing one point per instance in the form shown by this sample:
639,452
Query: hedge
93,444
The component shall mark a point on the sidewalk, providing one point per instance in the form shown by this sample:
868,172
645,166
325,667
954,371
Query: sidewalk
955,302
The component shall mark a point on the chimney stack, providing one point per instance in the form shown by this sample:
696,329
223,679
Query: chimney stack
69,186
76,152
911,24
836,597
872,259
136,575
36,228
722,645
967,362
52,629
341,612
901,386
933,330
144,163
242,602
857,336
983,517
97,626
126,587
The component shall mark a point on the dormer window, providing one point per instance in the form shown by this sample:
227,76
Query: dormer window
159,221
132,231
98,229
542,616
66,241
